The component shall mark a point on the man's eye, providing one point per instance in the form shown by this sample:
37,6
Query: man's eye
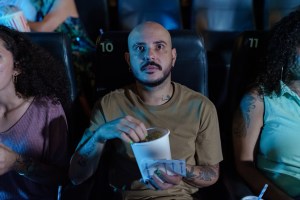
160,46
140,48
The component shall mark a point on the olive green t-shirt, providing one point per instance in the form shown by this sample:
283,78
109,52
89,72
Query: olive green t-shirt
194,135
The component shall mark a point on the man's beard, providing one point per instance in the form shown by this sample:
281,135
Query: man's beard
156,82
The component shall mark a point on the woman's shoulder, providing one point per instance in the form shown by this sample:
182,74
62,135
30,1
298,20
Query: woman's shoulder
46,104
254,94
252,100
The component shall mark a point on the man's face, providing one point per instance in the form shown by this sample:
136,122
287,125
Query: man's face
151,56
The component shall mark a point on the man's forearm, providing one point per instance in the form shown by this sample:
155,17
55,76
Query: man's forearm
85,160
201,176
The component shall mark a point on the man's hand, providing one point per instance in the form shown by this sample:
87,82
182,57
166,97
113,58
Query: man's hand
7,159
162,181
127,128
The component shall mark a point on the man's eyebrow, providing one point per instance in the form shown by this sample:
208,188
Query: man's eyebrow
143,43
160,41
138,44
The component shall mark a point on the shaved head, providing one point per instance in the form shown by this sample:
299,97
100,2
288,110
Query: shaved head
150,28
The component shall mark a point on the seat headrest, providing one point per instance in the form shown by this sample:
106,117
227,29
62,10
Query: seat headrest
165,12
58,45
247,62
112,70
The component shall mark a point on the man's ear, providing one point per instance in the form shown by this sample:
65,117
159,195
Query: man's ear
174,56
127,58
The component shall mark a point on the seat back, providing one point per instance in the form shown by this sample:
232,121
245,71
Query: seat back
220,15
220,22
94,15
246,63
268,12
112,71
165,12
218,45
58,45
279,9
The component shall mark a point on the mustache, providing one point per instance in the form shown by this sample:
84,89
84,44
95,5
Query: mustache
151,63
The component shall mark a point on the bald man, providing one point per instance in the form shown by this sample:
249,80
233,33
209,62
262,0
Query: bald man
123,116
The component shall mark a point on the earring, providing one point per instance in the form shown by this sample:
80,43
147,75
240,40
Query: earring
15,78
281,73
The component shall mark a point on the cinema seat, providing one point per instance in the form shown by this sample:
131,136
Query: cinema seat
165,12
246,63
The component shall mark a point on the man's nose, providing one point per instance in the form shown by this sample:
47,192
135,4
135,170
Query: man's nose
149,54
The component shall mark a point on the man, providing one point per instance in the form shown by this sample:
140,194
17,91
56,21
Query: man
122,117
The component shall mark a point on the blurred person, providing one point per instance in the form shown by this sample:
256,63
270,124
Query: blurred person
62,16
24,5
12,17
33,126
121,118
266,125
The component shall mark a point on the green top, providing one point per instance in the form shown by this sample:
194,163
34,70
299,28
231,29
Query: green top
279,149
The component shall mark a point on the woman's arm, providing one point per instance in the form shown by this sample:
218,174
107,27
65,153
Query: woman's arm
39,172
60,11
247,125
30,168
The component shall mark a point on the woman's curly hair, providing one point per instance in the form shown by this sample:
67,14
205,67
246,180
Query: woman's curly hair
281,59
41,75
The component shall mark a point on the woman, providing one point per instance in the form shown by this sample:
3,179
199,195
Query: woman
266,126
33,127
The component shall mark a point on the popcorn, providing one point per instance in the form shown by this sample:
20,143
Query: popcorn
13,17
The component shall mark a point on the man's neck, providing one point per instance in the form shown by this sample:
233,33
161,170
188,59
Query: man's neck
157,95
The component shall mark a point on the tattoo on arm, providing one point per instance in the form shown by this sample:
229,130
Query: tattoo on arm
206,173
82,160
242,119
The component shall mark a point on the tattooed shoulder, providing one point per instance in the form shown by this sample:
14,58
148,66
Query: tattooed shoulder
243,114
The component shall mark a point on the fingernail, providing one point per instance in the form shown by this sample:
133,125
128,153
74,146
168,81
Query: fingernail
130,142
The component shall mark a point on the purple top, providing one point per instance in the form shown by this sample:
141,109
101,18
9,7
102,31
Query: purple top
41,133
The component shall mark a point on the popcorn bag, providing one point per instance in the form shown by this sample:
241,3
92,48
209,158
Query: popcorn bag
13,17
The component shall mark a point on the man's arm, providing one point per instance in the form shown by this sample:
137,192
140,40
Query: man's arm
201,176
86,158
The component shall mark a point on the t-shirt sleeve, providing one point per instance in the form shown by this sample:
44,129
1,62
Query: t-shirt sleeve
97,117
208,144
